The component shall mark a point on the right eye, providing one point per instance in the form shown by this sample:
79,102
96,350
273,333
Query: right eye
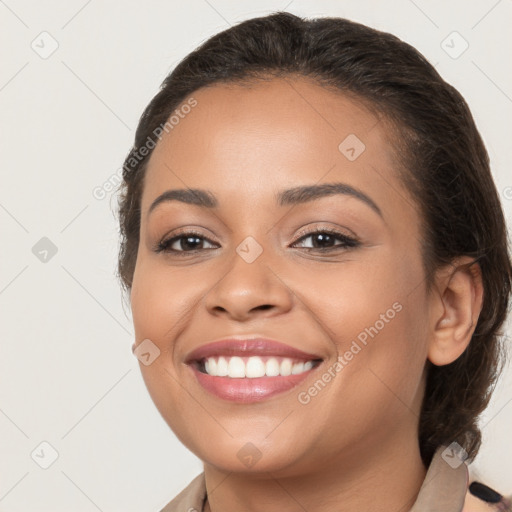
187,242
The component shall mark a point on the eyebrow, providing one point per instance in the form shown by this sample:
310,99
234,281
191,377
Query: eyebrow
292,196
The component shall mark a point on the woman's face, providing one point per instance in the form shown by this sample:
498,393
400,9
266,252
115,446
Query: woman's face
255,267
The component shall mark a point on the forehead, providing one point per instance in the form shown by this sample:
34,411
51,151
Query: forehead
245,142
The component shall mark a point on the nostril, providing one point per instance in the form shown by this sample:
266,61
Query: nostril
265,306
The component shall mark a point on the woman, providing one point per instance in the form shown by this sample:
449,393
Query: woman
318,270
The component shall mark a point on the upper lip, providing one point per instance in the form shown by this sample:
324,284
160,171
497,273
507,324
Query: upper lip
256,346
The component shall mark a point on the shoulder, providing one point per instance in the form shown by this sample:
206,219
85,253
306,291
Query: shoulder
190,499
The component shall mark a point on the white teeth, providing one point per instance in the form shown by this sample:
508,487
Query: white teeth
286,367
236,367
222,367
253,367
211,366
297,368
272,367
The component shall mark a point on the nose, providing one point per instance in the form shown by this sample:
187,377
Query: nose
249,290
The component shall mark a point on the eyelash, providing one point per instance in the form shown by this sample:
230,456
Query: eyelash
347,242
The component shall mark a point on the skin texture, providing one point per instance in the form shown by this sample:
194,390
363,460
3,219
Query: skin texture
354,446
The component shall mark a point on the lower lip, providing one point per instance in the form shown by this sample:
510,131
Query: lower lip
245,390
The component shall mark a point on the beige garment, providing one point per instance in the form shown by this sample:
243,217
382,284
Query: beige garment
443,489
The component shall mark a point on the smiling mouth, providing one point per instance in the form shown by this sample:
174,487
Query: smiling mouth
244,380
252,367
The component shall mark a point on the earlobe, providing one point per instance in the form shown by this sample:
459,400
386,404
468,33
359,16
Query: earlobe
458,302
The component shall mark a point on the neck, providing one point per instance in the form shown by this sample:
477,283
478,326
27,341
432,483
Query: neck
383,478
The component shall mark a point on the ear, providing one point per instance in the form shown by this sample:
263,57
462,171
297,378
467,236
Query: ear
456,302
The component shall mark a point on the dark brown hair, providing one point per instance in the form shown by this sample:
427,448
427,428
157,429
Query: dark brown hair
446,170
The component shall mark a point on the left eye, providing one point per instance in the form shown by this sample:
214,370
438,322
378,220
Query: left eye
324,240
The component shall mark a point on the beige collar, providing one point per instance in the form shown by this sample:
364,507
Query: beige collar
443,490
445,485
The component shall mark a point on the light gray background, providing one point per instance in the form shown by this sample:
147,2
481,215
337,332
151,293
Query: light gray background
67,373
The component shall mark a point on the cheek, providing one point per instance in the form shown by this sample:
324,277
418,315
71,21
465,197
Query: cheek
376,318
162,300
352,297
379,336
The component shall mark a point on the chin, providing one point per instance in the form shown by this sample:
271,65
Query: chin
246,456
